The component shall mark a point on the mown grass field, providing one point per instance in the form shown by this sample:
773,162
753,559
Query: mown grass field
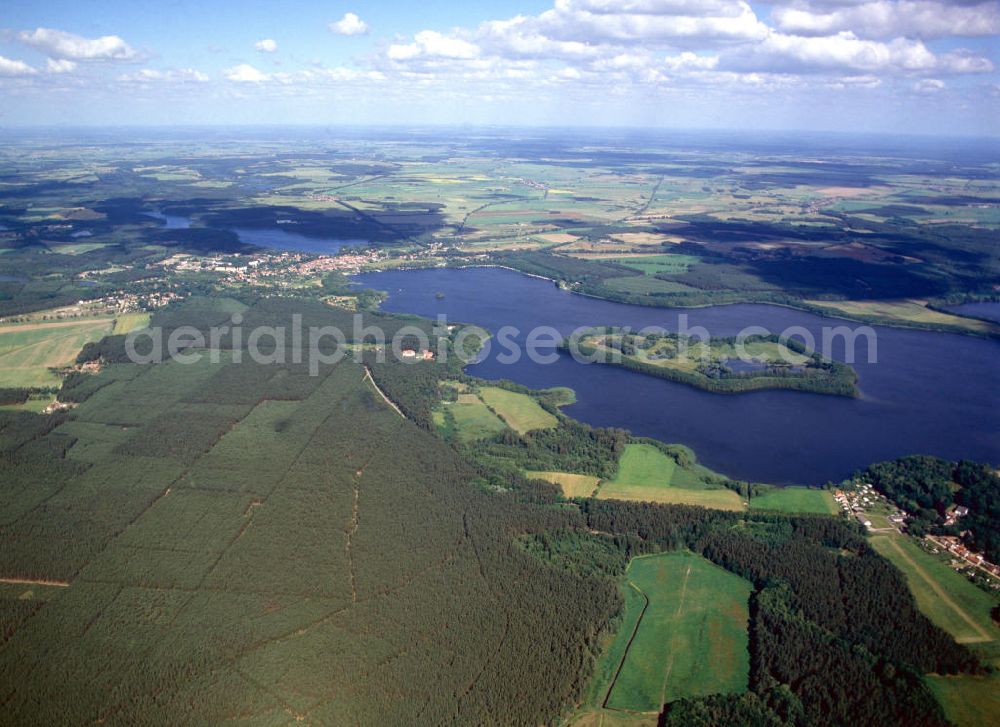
655,264
691,639
28,351
643,465
594,713
473,419
645,473
572,485
796,499
519,411
968,701
646,285
946,597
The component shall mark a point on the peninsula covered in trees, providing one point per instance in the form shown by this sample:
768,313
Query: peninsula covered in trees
724,365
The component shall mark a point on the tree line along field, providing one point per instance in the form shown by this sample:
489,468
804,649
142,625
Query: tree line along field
571,485
645,473
489,410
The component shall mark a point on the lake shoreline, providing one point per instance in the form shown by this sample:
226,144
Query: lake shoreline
775,436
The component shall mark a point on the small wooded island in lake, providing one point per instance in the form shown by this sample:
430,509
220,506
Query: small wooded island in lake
723,365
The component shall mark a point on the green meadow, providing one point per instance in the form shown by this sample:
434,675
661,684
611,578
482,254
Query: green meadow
968,701
647,473
691,637
659,264
520,411
472,418
796,499
29,352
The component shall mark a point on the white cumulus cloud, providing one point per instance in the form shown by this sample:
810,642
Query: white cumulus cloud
350,24
267,45
632,21
929,85
61,65
845,51
10,67
68,46
429,43
891,18
244,73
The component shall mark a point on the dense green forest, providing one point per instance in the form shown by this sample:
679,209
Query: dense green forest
224,531
836,638
926,487
249,541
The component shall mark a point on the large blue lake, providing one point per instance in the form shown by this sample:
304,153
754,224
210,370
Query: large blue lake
987,310
932,393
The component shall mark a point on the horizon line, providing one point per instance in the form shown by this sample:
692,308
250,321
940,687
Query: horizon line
413,127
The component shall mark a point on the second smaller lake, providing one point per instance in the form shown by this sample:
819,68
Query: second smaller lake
171,222
280,239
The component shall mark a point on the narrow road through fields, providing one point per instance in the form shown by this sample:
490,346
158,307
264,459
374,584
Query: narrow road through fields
34,582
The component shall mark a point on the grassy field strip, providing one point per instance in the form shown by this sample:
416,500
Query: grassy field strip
911,311
25,327
927,590
968,701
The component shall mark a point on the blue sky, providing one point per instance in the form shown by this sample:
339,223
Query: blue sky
925,66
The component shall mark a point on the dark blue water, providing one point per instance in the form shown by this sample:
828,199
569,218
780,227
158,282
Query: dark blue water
989,311
932,393
280,239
